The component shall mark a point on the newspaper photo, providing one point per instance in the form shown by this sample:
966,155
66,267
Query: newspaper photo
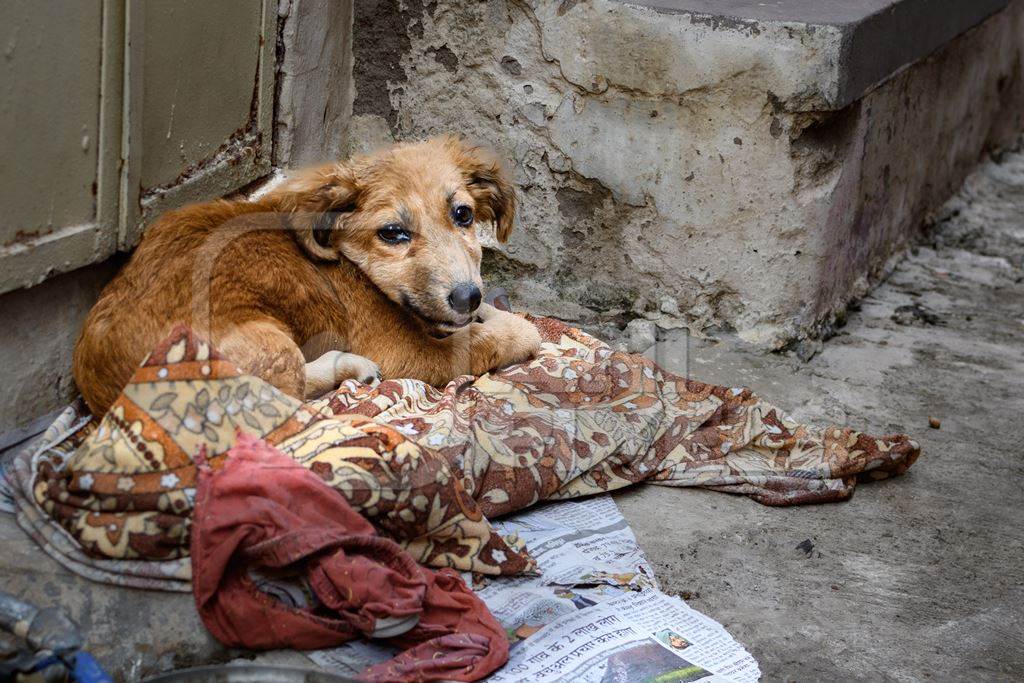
595,613
635,637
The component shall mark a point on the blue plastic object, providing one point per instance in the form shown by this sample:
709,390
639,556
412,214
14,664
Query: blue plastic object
88,670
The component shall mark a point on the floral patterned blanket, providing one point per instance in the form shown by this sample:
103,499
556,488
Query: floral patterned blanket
112,499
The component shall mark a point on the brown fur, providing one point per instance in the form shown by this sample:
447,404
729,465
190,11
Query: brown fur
280,281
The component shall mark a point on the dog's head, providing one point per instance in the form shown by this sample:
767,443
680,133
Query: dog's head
407,217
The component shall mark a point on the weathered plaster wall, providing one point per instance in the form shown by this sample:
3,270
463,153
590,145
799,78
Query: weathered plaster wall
314,81
668,156
908,146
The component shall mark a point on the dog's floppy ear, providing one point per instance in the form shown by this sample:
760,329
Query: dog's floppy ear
317,200
490,186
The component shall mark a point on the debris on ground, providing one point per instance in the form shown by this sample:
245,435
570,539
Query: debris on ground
51,648
915,314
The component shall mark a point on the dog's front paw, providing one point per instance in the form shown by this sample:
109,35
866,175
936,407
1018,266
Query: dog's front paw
360,368
334,367
509,339
524,340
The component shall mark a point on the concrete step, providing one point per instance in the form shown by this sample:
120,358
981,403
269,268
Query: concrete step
759,162
865,41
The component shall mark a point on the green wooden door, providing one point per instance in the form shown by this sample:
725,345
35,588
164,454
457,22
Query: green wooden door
112,111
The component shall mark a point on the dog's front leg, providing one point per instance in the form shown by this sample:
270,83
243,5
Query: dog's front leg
334,367
263,348
502,339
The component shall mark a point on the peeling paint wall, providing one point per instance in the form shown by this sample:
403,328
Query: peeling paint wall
674,156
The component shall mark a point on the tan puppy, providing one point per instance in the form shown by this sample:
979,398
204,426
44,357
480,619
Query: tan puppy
362,267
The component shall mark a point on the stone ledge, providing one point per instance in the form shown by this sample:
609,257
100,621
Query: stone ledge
865,42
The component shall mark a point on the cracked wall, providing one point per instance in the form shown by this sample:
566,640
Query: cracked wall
662,155
628,152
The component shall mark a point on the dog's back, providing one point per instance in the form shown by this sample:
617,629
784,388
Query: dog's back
169,280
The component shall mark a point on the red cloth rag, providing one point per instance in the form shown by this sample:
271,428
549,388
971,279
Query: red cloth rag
263,511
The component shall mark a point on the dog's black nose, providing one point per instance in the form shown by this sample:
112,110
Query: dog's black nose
465,298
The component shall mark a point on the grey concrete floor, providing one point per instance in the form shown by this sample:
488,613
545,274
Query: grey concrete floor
916,578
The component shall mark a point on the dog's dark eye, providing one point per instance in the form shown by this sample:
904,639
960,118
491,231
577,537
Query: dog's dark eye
394,234
462,215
